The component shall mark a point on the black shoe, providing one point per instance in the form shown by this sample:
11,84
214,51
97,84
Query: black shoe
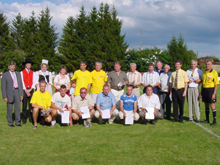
172,121
190,120
19,125
181,122
197,121
24,122
213,124
204,122
12,125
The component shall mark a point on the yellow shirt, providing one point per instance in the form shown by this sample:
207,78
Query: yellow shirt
82,80
98,80
41,99
182,79
210,79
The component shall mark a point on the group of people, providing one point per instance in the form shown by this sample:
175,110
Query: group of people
161,87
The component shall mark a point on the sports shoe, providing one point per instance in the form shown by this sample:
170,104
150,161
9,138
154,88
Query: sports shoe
87,123
213,124
53,123
204,122
110,122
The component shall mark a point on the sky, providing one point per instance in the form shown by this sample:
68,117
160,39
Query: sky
146,23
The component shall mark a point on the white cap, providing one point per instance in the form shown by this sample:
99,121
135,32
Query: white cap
44,61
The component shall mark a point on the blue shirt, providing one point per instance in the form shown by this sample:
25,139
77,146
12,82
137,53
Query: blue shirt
161,71
128,101
105,102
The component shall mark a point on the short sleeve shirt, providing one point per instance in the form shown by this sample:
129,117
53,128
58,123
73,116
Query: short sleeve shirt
79,102
98,81
41,99
61,101
114,79
128,101
105,102
82,80
210,79
182,78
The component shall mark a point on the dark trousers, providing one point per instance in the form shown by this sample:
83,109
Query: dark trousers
178,101
26,102
17,103
165,100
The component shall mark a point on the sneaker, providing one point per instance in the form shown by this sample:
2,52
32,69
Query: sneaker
53,123
87,123
110,122
213,124
205,122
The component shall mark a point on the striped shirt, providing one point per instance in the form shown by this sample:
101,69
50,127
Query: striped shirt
134,78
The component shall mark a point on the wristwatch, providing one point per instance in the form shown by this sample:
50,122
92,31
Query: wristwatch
215,93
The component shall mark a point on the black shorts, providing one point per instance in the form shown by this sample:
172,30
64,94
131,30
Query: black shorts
207,95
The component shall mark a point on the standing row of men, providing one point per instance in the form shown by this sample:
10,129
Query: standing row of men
169,86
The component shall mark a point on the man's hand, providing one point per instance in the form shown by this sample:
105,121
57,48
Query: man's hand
111,113
197,81
60,109
124,114
100,113
155,112
213,96
184,94
200,96
21,98
80,113
190,81
6,100
90,107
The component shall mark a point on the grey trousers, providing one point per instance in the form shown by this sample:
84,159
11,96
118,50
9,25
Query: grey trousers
165,100
17,108
193,98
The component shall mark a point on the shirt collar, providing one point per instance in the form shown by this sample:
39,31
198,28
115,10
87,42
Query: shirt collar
84,98
105,95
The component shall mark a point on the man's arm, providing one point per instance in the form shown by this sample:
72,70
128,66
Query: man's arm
121,108
135,107
214,94
38,106
99,110
55,107
88,88
113,108
185,89
155,111
4,82
171,86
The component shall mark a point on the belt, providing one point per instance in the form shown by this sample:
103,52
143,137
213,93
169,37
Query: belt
15,88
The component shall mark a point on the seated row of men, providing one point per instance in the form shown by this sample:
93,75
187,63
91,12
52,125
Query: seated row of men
49,108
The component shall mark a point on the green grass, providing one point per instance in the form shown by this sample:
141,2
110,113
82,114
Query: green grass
163,143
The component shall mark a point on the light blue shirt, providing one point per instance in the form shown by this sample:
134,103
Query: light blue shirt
105,102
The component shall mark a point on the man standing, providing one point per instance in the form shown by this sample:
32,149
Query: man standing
106,101
151,78
149,99
195,76
164,92
117,79
159,68
27,77
81,101
60,102
128,104
178,83
12,93
41,102
134,78
83,78
208,90
99,79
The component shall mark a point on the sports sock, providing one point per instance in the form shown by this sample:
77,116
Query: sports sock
214,115
207,114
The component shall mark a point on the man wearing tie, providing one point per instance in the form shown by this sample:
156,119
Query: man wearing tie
12,93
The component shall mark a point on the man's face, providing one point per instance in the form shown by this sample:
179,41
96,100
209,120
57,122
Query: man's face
28,66
44,68
105,90
82,66
42,87
149,91
150,69
208,65
83,93
12,68
98,66
177,66
129,91
117,67
166,69
62,92
193,65
159,65
133,68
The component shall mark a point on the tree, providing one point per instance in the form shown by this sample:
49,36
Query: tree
47,40
178,51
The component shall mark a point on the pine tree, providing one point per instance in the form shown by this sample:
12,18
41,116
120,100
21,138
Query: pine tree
47,40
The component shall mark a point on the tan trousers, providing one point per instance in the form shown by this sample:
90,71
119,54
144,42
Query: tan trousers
157,116
136,115
114,114
117,95
136,91
193,98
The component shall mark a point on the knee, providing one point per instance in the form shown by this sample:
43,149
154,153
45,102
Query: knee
158,115
97,115
92,112
35,110
48,119
136,116
121,115
75,117
142,114
115,112
54,112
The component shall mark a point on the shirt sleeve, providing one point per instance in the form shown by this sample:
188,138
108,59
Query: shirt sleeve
200,74
109,78
135,98
171,78
157,78
113,99
139,78
140,102
186,79
122,98
53,98
157,102
56,79
90,78
33,85
50,78
98,100
216,81
22,80
105,79
125,77
69,102
143,78
74,76
49,100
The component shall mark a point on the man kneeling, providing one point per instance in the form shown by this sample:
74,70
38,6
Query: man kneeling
149,99
128,104
41,102
106,101
60,101
81,101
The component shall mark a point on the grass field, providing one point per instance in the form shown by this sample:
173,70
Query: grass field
163,143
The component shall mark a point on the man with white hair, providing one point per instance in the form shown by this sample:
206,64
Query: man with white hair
195,76
134,78
164,92
99,79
